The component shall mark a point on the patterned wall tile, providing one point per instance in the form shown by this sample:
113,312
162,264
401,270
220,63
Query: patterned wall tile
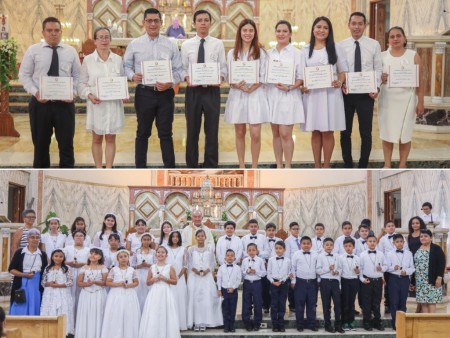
236,207
147,206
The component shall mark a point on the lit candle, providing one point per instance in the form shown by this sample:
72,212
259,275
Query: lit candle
163,19
184,21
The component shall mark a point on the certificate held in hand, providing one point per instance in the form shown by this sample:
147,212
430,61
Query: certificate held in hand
112,88
56,88
247,71
204,74
156,71
361,82
405,76
318,77
280,72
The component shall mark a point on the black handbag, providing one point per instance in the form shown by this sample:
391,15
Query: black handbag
20,296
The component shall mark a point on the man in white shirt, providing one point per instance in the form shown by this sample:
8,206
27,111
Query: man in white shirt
188,233
227,242
153,102
363,54
428,216
50,58
202,99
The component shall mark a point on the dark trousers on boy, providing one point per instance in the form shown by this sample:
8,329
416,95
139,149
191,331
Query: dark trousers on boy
305,294
252,295
387,304
291,300
349,288
266,293
229,306
371,295
278,304
329,290
398,294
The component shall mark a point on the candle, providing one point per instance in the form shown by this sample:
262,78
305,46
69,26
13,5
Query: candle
163,19
184,21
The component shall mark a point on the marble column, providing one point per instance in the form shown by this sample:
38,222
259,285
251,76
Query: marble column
223,27
124,24
439,68
90,26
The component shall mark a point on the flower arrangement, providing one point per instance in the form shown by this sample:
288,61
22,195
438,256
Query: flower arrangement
8,62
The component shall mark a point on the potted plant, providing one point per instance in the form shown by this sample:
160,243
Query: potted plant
8,72
224,216
63,228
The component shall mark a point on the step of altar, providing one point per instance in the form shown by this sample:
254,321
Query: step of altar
290,333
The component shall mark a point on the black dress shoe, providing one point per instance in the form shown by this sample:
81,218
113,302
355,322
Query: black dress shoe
379,327
275,329
232,330
300,329
367,328
340,329
315,329
226,330
282,329
256,327
249,328
330,329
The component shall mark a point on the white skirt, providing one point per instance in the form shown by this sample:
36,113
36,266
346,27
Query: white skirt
122,314
181,296
286,108
251,108
58,301
142,289
91,307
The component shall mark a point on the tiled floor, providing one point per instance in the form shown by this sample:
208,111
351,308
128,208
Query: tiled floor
18,152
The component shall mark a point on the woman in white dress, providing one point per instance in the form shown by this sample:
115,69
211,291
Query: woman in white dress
166,229
53,239
204,307
285,100
324,108
109,227
177,258
103,118
398,107
159,318
91,305
78,224
134,239
57,299
142,261
247,102
76,257
122,310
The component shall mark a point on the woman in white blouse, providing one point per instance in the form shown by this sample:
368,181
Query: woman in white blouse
104,118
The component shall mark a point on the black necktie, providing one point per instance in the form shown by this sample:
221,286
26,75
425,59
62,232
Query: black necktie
390,236
228,238
306,253
319,239
330,255
253,237
349,256
201,52
252,260
280,258
363,242
374,251
358,67
400,251
54,66
229,265
271,240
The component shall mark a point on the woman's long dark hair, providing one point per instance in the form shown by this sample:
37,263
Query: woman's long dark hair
52,263
255,48
74,224
161,238
97,251
288,24
114,229
329,43
422,224
170,242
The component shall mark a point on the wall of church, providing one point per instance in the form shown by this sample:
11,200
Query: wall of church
18,177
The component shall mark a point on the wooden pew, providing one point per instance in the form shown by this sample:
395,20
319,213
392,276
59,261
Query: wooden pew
422,325
39,326
13,333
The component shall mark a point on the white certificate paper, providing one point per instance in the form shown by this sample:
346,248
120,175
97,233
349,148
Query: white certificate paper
361,82
156,71
247,71
112,88
318,77
406,76
56,88
203,74
280,72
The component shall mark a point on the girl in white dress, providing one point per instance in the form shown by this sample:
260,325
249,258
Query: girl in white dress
247,102
159,318
91,304
53,239
324,108
109,227
57,298
76,257
177,258
78,224
134,239
142,261
166,229
398,107
122,310
111,252
103,117
285,100
204,308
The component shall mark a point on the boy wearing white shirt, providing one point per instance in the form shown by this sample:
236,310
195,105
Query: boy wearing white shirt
271,229
373,265
317,241
292,246
253,269
229,241
329,270
305,285
229,278
364,232
279,271
400,268
254,237
346,233
349,264
428,216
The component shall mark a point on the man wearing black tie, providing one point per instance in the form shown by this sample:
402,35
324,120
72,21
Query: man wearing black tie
50,58
363,54
202,99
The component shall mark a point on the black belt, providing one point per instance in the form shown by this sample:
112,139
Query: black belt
307,280
151,88
279,280
374,279
329,279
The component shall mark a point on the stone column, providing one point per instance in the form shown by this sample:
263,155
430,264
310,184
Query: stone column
90,25
132,216
124,24
439,68
223,27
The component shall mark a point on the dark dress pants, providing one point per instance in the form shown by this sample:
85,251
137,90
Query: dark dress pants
278,304
154,105
201,100
252,295
43,118
349,290
398,294
305,294
371,299
229,305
